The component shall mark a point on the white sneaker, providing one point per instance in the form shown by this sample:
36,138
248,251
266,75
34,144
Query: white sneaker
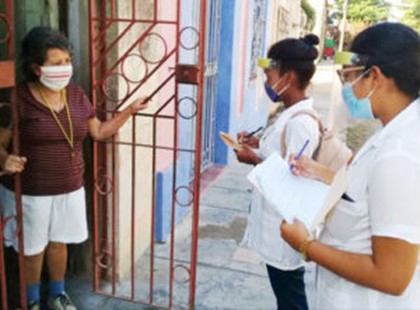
61,302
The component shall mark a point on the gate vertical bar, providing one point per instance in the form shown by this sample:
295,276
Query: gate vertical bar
18,191
152,227
102,159
92,36
153,210
173,206
133,210
197,166
19,213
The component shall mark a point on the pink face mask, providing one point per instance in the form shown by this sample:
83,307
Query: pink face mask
56,77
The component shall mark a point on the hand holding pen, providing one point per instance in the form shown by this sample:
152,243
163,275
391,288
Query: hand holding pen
304,166
297,157
254,132
248,138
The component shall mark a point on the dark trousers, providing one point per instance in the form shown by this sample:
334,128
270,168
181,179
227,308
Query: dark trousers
289,288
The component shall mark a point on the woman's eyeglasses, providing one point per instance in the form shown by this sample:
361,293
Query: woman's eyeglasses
346,75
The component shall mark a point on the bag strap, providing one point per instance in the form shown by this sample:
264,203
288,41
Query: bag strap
312,114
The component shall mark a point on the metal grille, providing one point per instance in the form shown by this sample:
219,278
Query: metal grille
210,82
142,175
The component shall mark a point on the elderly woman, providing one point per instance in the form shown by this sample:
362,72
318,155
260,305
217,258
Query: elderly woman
54,118
368,252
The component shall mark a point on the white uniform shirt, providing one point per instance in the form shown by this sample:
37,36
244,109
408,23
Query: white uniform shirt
262,233
384,182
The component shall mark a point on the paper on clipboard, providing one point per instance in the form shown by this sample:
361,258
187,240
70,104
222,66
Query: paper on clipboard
229,140
294,196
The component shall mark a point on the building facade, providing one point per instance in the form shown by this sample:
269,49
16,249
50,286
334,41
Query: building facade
144,182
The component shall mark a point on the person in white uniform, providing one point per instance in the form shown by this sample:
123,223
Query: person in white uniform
368,252
288,69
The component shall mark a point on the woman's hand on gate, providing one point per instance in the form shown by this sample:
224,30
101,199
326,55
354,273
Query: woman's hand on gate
139,104
14,164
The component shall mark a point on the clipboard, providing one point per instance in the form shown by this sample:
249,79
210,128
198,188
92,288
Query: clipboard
295,196
229,140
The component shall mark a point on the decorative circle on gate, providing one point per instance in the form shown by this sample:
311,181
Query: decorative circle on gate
104,184
184,196
182,274
115,87
14,234
186,107
189,38
153,48
4,24
105,255
134,68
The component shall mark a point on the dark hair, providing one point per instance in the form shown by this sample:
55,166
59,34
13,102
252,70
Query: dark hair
296,55
35,46
395,48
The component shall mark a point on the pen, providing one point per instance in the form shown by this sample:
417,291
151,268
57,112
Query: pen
254,132
300,153
347,197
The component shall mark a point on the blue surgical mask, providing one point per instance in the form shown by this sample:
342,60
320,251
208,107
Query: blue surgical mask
271,93
359,108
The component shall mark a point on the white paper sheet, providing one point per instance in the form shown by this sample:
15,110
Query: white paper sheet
294,196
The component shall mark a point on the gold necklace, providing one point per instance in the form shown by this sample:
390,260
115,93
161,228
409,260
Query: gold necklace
69,137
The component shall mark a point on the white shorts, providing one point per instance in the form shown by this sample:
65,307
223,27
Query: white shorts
57,218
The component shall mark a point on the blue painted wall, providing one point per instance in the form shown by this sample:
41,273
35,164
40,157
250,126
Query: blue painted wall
164,198
184,162
223,105
253,115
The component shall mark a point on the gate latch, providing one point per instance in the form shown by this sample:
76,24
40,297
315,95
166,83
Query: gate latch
187,74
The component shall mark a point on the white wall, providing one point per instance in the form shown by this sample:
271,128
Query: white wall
320,7
285,17
134,175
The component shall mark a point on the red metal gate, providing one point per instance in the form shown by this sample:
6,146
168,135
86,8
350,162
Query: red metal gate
141,177
12,278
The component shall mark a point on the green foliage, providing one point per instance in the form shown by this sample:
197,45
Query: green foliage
412,14
310,14
366,11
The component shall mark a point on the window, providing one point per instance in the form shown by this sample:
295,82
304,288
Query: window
258,36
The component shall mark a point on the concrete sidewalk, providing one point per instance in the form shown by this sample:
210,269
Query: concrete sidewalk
228,275
231,276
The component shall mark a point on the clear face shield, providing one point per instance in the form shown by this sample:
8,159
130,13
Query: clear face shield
268,64
352,70
348,64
